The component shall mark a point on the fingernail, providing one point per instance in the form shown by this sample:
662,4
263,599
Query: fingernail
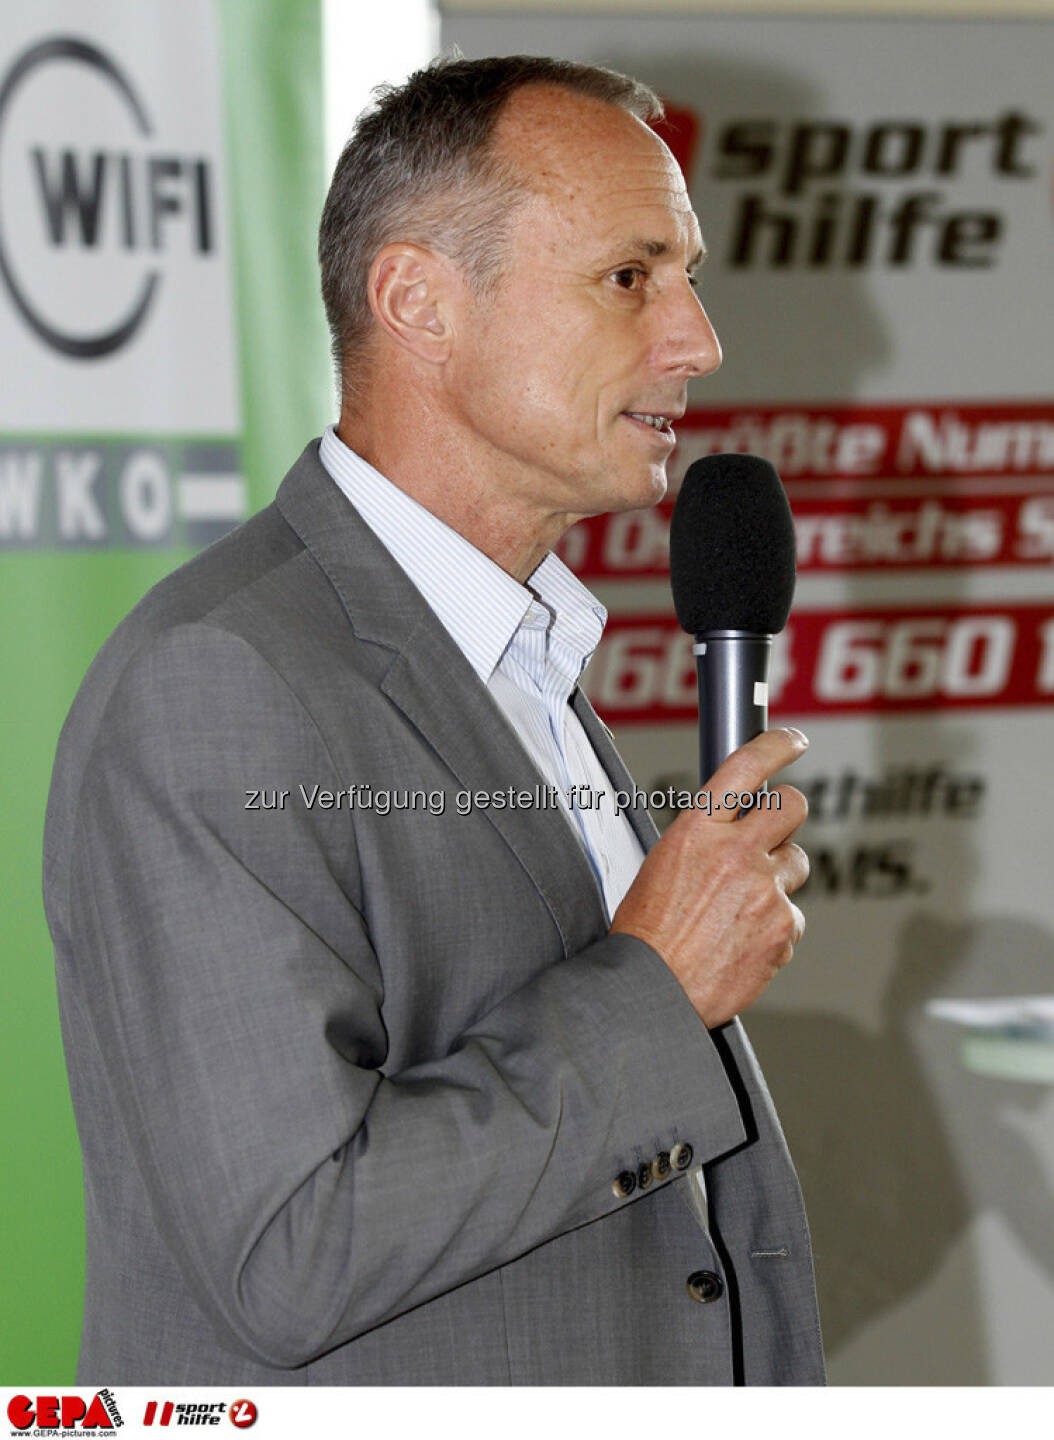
798,735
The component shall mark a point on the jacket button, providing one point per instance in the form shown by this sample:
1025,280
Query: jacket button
681,1156
705,1286
625,1184
644,1176
660,1166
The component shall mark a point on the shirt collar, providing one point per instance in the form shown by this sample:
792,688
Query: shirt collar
480,605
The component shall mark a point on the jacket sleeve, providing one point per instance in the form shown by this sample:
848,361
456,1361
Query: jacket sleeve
225,961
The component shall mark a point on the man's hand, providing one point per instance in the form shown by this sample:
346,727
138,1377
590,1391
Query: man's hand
712,895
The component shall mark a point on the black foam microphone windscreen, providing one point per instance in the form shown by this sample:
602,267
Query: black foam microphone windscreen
732,573
732,547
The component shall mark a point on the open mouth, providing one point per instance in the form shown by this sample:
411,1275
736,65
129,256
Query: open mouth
660,425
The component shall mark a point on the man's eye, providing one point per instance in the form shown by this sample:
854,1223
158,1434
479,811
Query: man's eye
630,278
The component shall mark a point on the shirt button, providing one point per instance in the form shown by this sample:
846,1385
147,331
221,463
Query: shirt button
681,1156
624,1184
644,1176
705,1286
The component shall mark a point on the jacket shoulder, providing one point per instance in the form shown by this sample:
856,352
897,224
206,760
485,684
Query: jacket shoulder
213,590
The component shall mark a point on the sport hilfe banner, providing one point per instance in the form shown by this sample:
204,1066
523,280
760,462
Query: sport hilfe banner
875,198
162,362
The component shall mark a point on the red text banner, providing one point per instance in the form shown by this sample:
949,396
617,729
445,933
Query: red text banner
933,530
882,487
923,438
842,662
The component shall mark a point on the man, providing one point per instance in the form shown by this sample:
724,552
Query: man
377,1083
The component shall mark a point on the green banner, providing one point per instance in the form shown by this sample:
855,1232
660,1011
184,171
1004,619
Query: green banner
164,360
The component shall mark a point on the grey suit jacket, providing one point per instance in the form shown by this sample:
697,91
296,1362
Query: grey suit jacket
352,1087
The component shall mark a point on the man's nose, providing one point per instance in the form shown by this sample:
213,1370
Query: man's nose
693,344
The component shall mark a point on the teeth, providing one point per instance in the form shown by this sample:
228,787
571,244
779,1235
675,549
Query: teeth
657,422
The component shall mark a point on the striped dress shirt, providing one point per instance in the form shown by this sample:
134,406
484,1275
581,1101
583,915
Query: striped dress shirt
527,643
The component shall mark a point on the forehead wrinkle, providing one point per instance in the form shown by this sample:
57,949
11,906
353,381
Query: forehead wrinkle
578,158
678,217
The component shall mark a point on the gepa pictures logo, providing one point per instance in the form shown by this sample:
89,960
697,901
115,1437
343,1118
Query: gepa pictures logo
64,1414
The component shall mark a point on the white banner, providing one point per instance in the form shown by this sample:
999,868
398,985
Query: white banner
281,1413
875,199
113,231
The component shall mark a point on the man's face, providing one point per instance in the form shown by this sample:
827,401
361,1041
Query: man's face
568,377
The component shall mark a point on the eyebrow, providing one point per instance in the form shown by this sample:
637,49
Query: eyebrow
654,248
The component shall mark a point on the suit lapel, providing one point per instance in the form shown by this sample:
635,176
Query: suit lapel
435,687
603,743
468,729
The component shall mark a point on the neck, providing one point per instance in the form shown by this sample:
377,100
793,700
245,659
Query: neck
424,456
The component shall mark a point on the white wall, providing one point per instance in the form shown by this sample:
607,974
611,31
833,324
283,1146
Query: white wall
366,45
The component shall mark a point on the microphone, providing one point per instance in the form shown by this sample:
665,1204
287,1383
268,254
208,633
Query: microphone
732,573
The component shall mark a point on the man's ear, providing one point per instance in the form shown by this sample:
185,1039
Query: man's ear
412,293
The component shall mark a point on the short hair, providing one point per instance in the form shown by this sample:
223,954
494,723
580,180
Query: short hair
420,167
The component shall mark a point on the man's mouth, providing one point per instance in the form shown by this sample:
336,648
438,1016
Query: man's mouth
662,423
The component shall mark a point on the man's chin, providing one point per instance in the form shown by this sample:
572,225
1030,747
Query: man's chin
632,492
646,490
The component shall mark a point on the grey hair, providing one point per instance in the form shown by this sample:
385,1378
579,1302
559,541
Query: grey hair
419,167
